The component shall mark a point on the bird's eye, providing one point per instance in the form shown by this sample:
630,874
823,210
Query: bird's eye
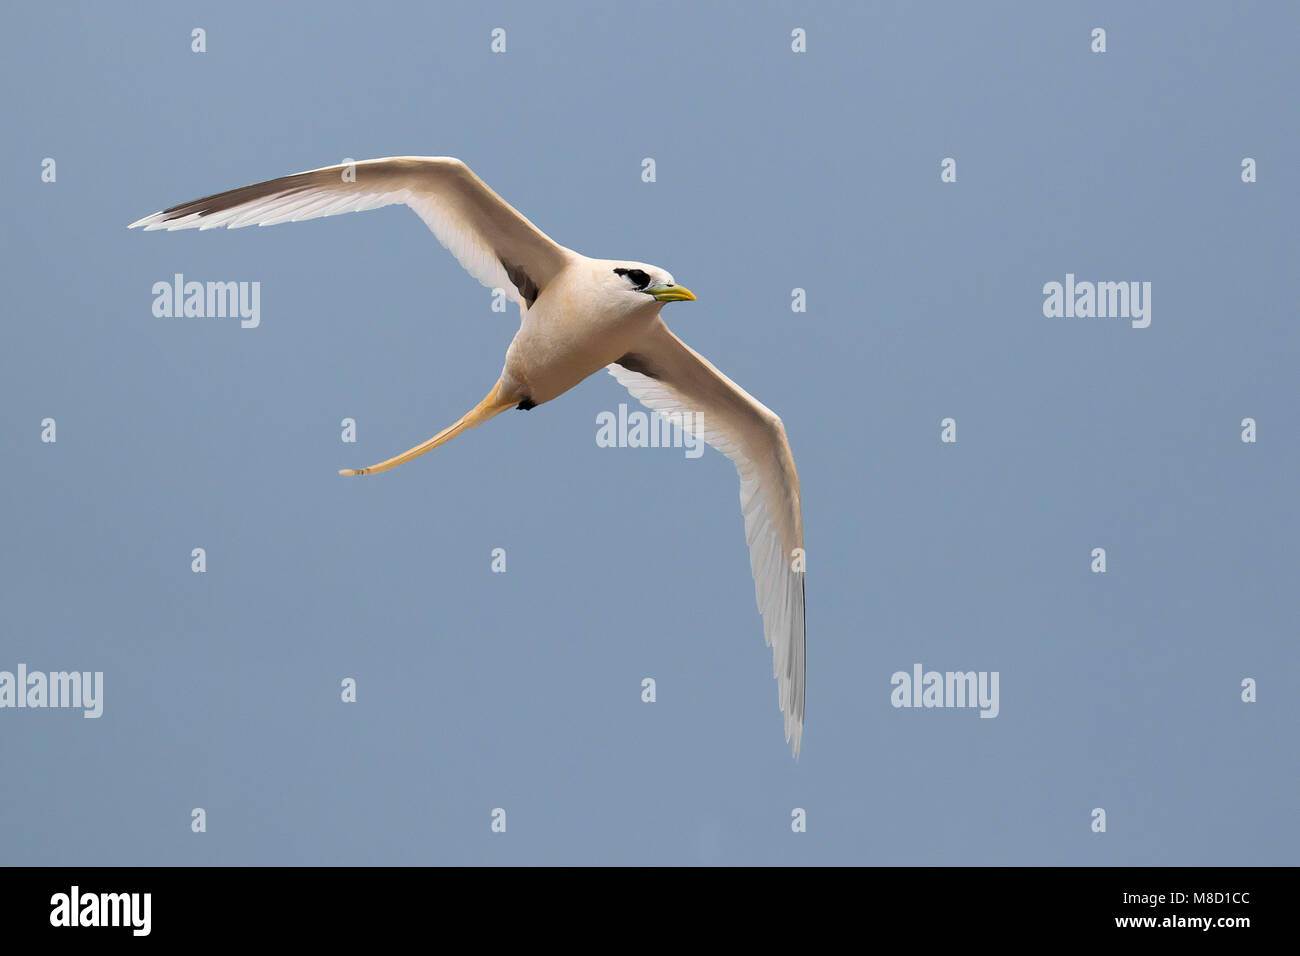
636,276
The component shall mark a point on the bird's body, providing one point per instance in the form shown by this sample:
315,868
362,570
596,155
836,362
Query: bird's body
566,336
578,315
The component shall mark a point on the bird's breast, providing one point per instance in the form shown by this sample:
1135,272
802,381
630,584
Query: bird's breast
564,341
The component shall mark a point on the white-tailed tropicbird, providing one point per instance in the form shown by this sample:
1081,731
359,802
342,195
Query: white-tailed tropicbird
578,315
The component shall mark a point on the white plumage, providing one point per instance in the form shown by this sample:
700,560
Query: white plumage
578,315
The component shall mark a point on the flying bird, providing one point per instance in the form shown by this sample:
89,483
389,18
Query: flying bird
577,316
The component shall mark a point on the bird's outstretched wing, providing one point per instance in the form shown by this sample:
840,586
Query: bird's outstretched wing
495,244
666,375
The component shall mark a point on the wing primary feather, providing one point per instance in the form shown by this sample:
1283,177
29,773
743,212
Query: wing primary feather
493,242
666,375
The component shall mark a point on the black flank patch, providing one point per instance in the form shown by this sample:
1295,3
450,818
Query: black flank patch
637,363
526,405
526,286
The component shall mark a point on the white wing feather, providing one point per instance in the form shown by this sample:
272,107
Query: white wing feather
666,375
477,226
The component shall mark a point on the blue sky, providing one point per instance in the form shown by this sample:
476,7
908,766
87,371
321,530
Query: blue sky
522,690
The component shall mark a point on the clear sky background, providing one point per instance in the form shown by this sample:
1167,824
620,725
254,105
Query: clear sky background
521,690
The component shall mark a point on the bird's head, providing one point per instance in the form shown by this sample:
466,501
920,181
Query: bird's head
642,281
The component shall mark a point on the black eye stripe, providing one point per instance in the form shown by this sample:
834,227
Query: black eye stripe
638,277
